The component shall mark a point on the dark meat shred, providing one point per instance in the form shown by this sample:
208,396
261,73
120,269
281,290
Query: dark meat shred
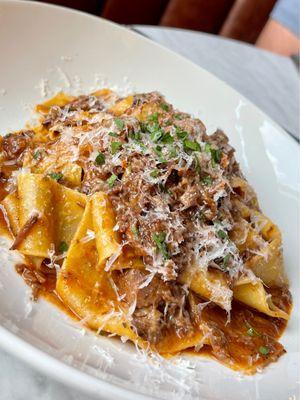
14,144
160,306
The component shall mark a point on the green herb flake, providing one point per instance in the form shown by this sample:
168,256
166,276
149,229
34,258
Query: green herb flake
154,173
156,135
159,239
143,147
207,180
135,230
197,164
63,247
181,134
152,127
207,148
113,134
222,234
115,147
119,123
136,136
143,127
164,106
57,176
167,138
111,180
178,116
264,350
226,261
153,117
216,155
100,159
37,155
251,332
158,152
172,152
191,145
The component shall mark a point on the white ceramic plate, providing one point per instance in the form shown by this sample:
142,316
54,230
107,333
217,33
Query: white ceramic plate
44,49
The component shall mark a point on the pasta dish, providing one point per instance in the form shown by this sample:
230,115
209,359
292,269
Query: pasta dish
144,227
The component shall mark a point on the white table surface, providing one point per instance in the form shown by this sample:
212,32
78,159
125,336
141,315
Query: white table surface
269,81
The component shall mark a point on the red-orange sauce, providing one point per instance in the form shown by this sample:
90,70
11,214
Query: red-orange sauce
245,343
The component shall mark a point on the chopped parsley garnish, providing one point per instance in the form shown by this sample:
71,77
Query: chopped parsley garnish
191,145
164,106
156,135
143,127
111,180
100,159
159,239
62,247
222,234
197,164
143,147
178,116
226,261
206,180
252,331
159,135
154,173
153,117
115,147
167,138
57,176
264,350
158,151
207,147
119,123
113,134
135,230
215,154
181,134
153,127
136,136
172,152
37,155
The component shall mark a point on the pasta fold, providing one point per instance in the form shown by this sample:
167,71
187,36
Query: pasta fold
254,295
36,198
11,206
58,209
86,289
107,240
212,285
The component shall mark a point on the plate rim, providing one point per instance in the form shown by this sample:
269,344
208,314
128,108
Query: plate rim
54,368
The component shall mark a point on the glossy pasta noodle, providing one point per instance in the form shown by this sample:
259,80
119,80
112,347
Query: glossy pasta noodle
145,227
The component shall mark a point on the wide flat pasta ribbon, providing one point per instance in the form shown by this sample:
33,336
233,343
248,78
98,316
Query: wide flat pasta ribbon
261,237
86,289
253,294
58,211
212,285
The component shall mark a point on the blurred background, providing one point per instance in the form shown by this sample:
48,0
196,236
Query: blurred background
270,24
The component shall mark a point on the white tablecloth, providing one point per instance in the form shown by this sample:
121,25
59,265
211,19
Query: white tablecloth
270,81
